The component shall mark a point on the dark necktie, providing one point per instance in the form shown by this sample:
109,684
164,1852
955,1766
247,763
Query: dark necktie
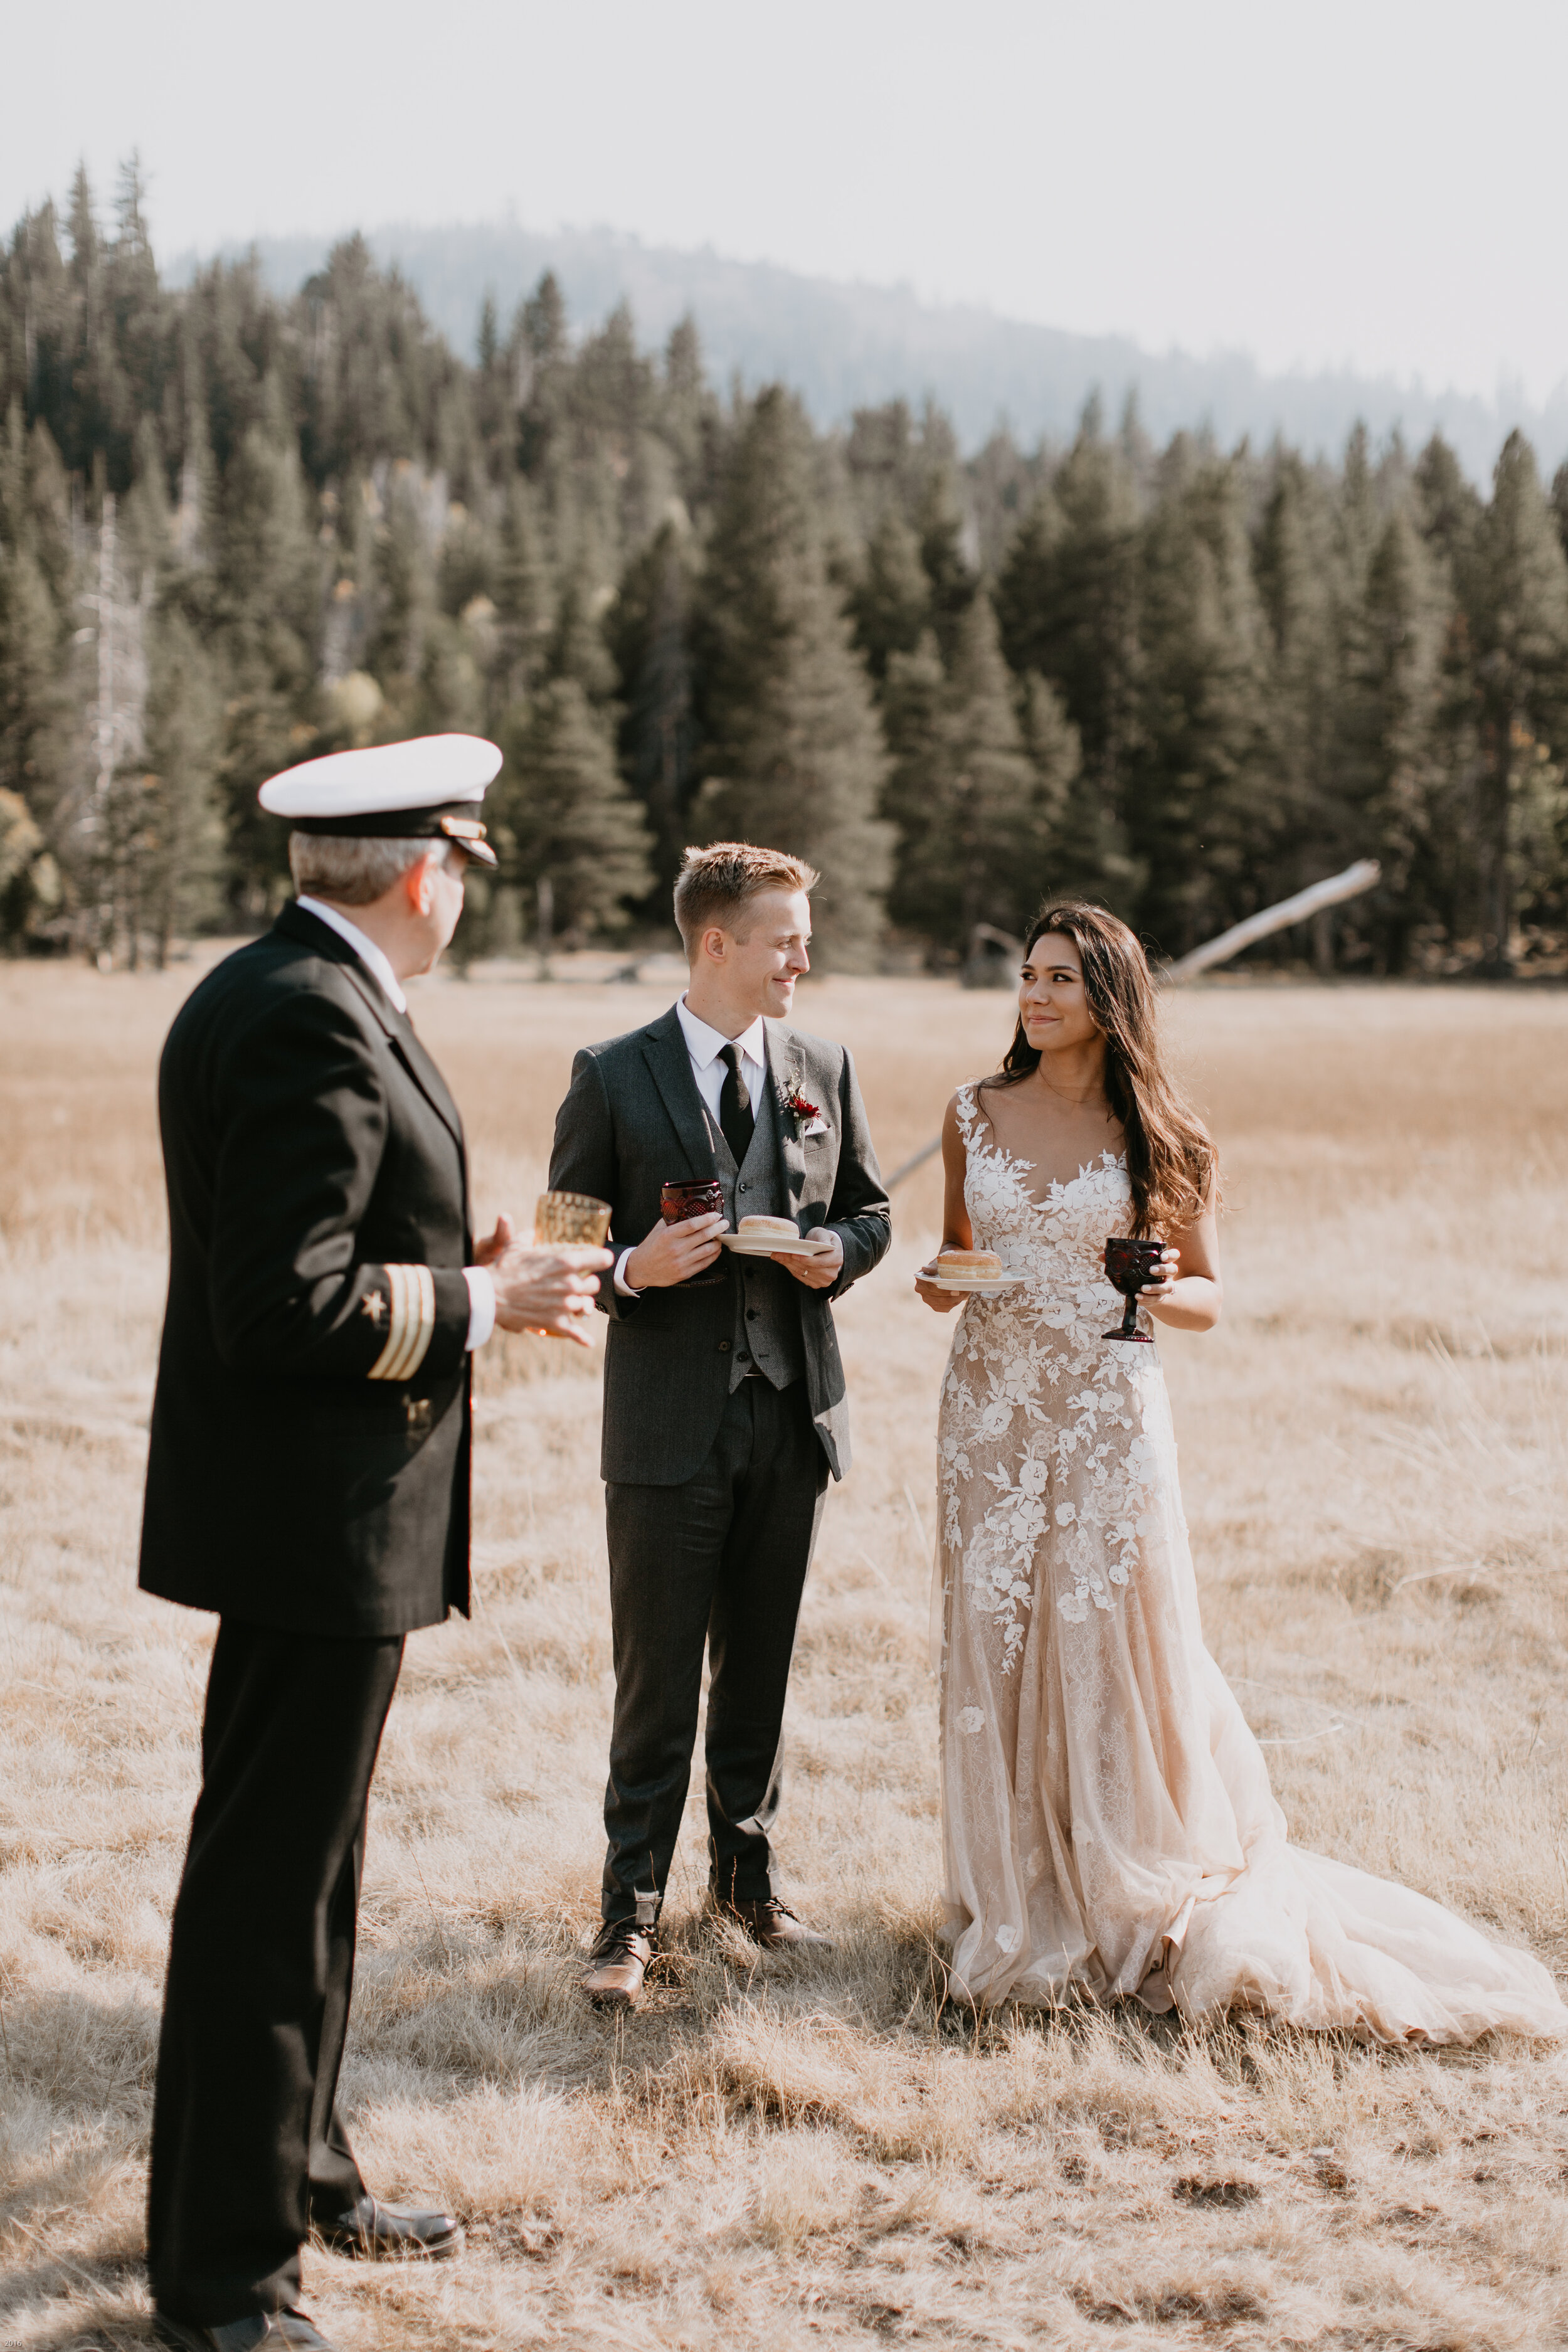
736,1106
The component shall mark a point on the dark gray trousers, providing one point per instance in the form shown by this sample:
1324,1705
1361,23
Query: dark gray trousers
720,1560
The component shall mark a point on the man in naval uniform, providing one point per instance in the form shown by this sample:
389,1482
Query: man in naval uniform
724,1403
308,1479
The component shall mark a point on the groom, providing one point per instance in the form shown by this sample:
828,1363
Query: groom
724,1406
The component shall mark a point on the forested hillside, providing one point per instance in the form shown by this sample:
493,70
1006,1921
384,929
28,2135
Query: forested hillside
843,345
236,532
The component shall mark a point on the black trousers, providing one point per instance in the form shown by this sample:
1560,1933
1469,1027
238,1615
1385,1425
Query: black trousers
247,2139
720,1560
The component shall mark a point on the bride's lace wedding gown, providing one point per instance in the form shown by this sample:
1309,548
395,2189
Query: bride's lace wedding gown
1106,1814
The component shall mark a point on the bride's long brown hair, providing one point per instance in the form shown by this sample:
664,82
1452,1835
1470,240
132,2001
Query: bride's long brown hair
1171,1163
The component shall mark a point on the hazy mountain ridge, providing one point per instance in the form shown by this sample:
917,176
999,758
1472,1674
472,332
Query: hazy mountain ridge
845,346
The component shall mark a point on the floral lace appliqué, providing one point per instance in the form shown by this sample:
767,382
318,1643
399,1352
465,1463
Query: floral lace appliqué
1046,1462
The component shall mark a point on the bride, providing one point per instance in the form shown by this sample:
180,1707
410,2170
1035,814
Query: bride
1107,1815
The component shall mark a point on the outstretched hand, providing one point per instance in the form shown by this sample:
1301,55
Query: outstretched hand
496,1243
548,1291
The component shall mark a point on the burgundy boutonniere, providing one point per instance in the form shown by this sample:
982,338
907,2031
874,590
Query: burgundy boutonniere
795,1106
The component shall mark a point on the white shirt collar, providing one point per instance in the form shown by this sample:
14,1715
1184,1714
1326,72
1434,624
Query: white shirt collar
705,1044
369,955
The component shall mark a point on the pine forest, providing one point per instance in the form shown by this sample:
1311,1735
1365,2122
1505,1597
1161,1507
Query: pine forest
236,532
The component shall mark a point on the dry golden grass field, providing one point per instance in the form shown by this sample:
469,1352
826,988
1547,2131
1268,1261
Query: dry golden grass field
1374,1445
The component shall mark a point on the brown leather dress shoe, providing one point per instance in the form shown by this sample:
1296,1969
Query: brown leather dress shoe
774,1926
380,2233
618,1963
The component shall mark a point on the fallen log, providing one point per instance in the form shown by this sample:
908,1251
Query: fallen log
1351,884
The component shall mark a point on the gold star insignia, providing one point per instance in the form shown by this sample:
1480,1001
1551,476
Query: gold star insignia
373,1304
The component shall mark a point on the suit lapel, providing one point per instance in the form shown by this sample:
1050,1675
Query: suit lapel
298,923
425,1075
783,1077
664,1051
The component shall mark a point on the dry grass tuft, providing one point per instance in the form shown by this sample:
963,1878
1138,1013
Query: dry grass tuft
1374,1455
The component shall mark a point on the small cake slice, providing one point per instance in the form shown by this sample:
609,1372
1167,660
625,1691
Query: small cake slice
969,1263
756,1229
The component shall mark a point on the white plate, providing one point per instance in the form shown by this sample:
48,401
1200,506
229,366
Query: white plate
978,1285
765,1244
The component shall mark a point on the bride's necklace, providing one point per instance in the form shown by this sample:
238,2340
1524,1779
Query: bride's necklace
1074,1102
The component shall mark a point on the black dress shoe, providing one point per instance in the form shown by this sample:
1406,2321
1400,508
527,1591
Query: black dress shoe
381,2233
272,2330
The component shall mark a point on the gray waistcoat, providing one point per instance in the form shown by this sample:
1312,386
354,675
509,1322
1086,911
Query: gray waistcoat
767,1313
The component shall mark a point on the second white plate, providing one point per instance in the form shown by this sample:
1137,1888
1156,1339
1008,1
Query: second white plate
765,1244
985,1285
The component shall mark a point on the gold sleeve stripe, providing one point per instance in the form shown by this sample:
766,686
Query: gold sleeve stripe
412,1323
421,1319
397,1287
402,1321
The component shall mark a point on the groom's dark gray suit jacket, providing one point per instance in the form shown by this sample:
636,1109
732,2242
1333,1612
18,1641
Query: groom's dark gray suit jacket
634,1120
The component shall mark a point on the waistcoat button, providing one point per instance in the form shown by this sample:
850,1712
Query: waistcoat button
723,1346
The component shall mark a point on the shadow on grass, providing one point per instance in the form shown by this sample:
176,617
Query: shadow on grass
471,2006
99,2330
51,2277
95,2324
478,2007
54,2201
53,2209
82,2053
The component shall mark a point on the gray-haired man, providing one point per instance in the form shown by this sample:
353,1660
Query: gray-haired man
308,1480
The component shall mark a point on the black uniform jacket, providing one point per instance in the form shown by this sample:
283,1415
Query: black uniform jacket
310,1458
633,1120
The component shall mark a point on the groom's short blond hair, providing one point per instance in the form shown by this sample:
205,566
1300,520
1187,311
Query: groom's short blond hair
715,883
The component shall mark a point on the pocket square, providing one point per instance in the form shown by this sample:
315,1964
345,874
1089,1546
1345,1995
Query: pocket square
817,1127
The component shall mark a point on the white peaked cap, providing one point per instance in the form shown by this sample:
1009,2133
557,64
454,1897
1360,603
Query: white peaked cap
428,788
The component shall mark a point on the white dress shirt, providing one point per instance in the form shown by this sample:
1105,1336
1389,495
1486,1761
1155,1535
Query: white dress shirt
369,955
705,1047
482,1289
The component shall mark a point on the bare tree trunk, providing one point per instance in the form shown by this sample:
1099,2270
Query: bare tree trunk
1497,876
105,736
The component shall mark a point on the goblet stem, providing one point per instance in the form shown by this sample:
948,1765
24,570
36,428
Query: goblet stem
1128,1327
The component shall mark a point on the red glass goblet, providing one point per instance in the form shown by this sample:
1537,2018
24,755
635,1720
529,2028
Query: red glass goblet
699,1196
1130,1265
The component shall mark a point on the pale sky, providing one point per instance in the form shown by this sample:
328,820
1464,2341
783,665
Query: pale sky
1378,185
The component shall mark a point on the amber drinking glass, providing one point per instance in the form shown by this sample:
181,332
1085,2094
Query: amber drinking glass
570,1221
699,1196
1130,1265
